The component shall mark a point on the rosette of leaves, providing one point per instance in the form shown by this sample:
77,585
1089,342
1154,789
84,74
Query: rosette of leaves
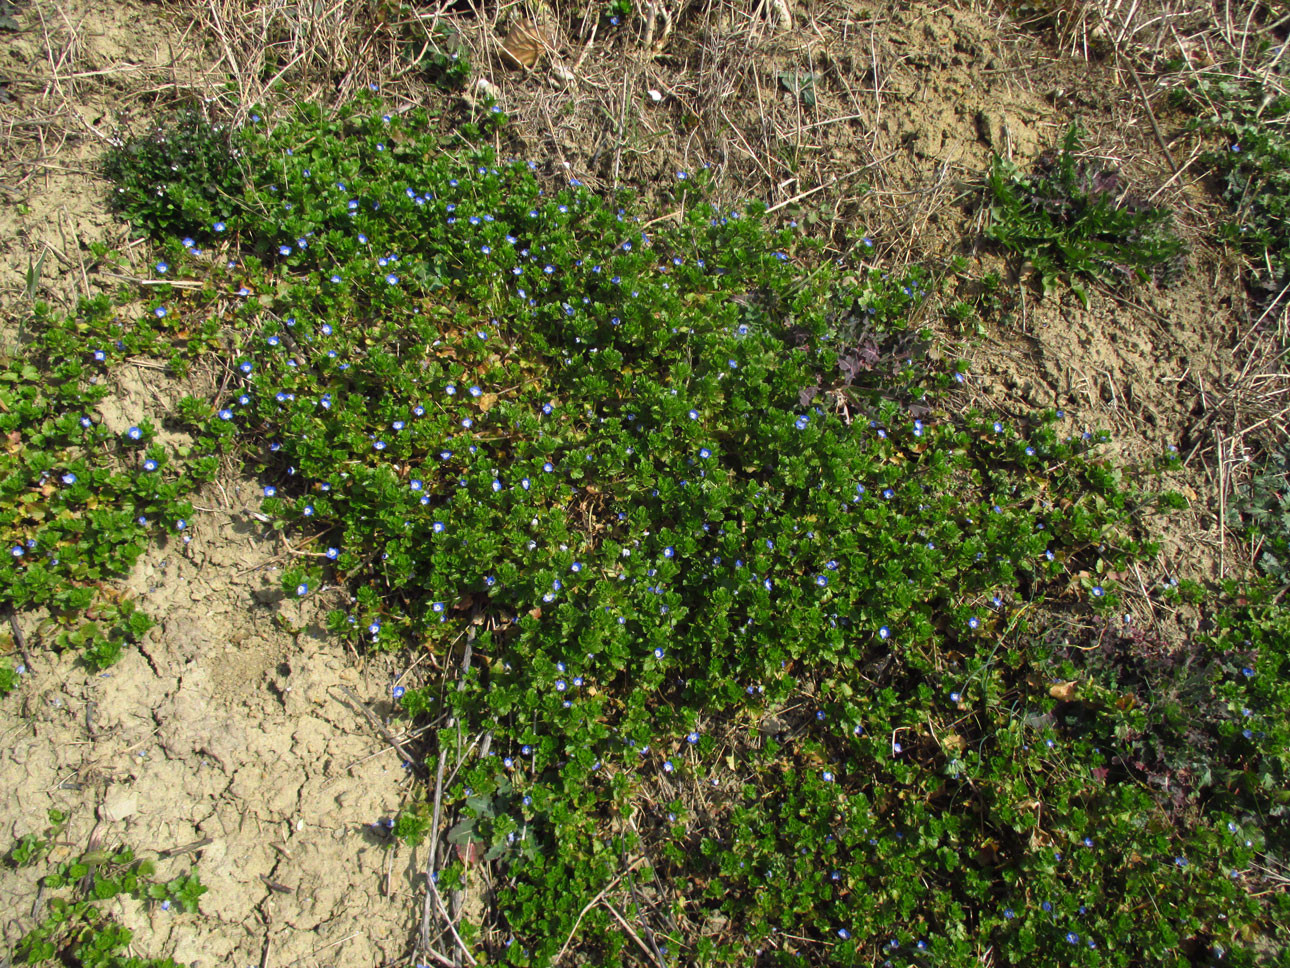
1074,220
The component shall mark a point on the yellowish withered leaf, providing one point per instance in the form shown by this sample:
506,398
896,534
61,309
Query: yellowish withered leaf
1065,691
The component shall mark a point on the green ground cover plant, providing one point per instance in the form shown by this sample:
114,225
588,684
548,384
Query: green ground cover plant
1250,116
79,504
1265,514
78,929
769,635
1072,220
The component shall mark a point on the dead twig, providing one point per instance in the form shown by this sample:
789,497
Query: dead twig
381,727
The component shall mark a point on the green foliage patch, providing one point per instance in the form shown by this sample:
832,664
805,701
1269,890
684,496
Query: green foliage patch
761,621
1072,221
1253,164
78,504
77,928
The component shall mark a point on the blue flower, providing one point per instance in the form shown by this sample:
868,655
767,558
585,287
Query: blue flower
822,581
219,226
658,653
302,589
69,478
974,623
160,312
884,632
438,527
270,490
333,553
149,465
226,414
392,279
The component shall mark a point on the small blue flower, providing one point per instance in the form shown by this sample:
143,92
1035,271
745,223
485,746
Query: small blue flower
219,226
150,465
302,589
160,312
270,490
974,623
69,478
658,652
226,414
822,581
884,632
392,279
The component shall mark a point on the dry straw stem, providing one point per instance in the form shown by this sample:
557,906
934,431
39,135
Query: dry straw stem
72,101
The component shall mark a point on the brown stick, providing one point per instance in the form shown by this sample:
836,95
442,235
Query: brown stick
19,640
380,726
